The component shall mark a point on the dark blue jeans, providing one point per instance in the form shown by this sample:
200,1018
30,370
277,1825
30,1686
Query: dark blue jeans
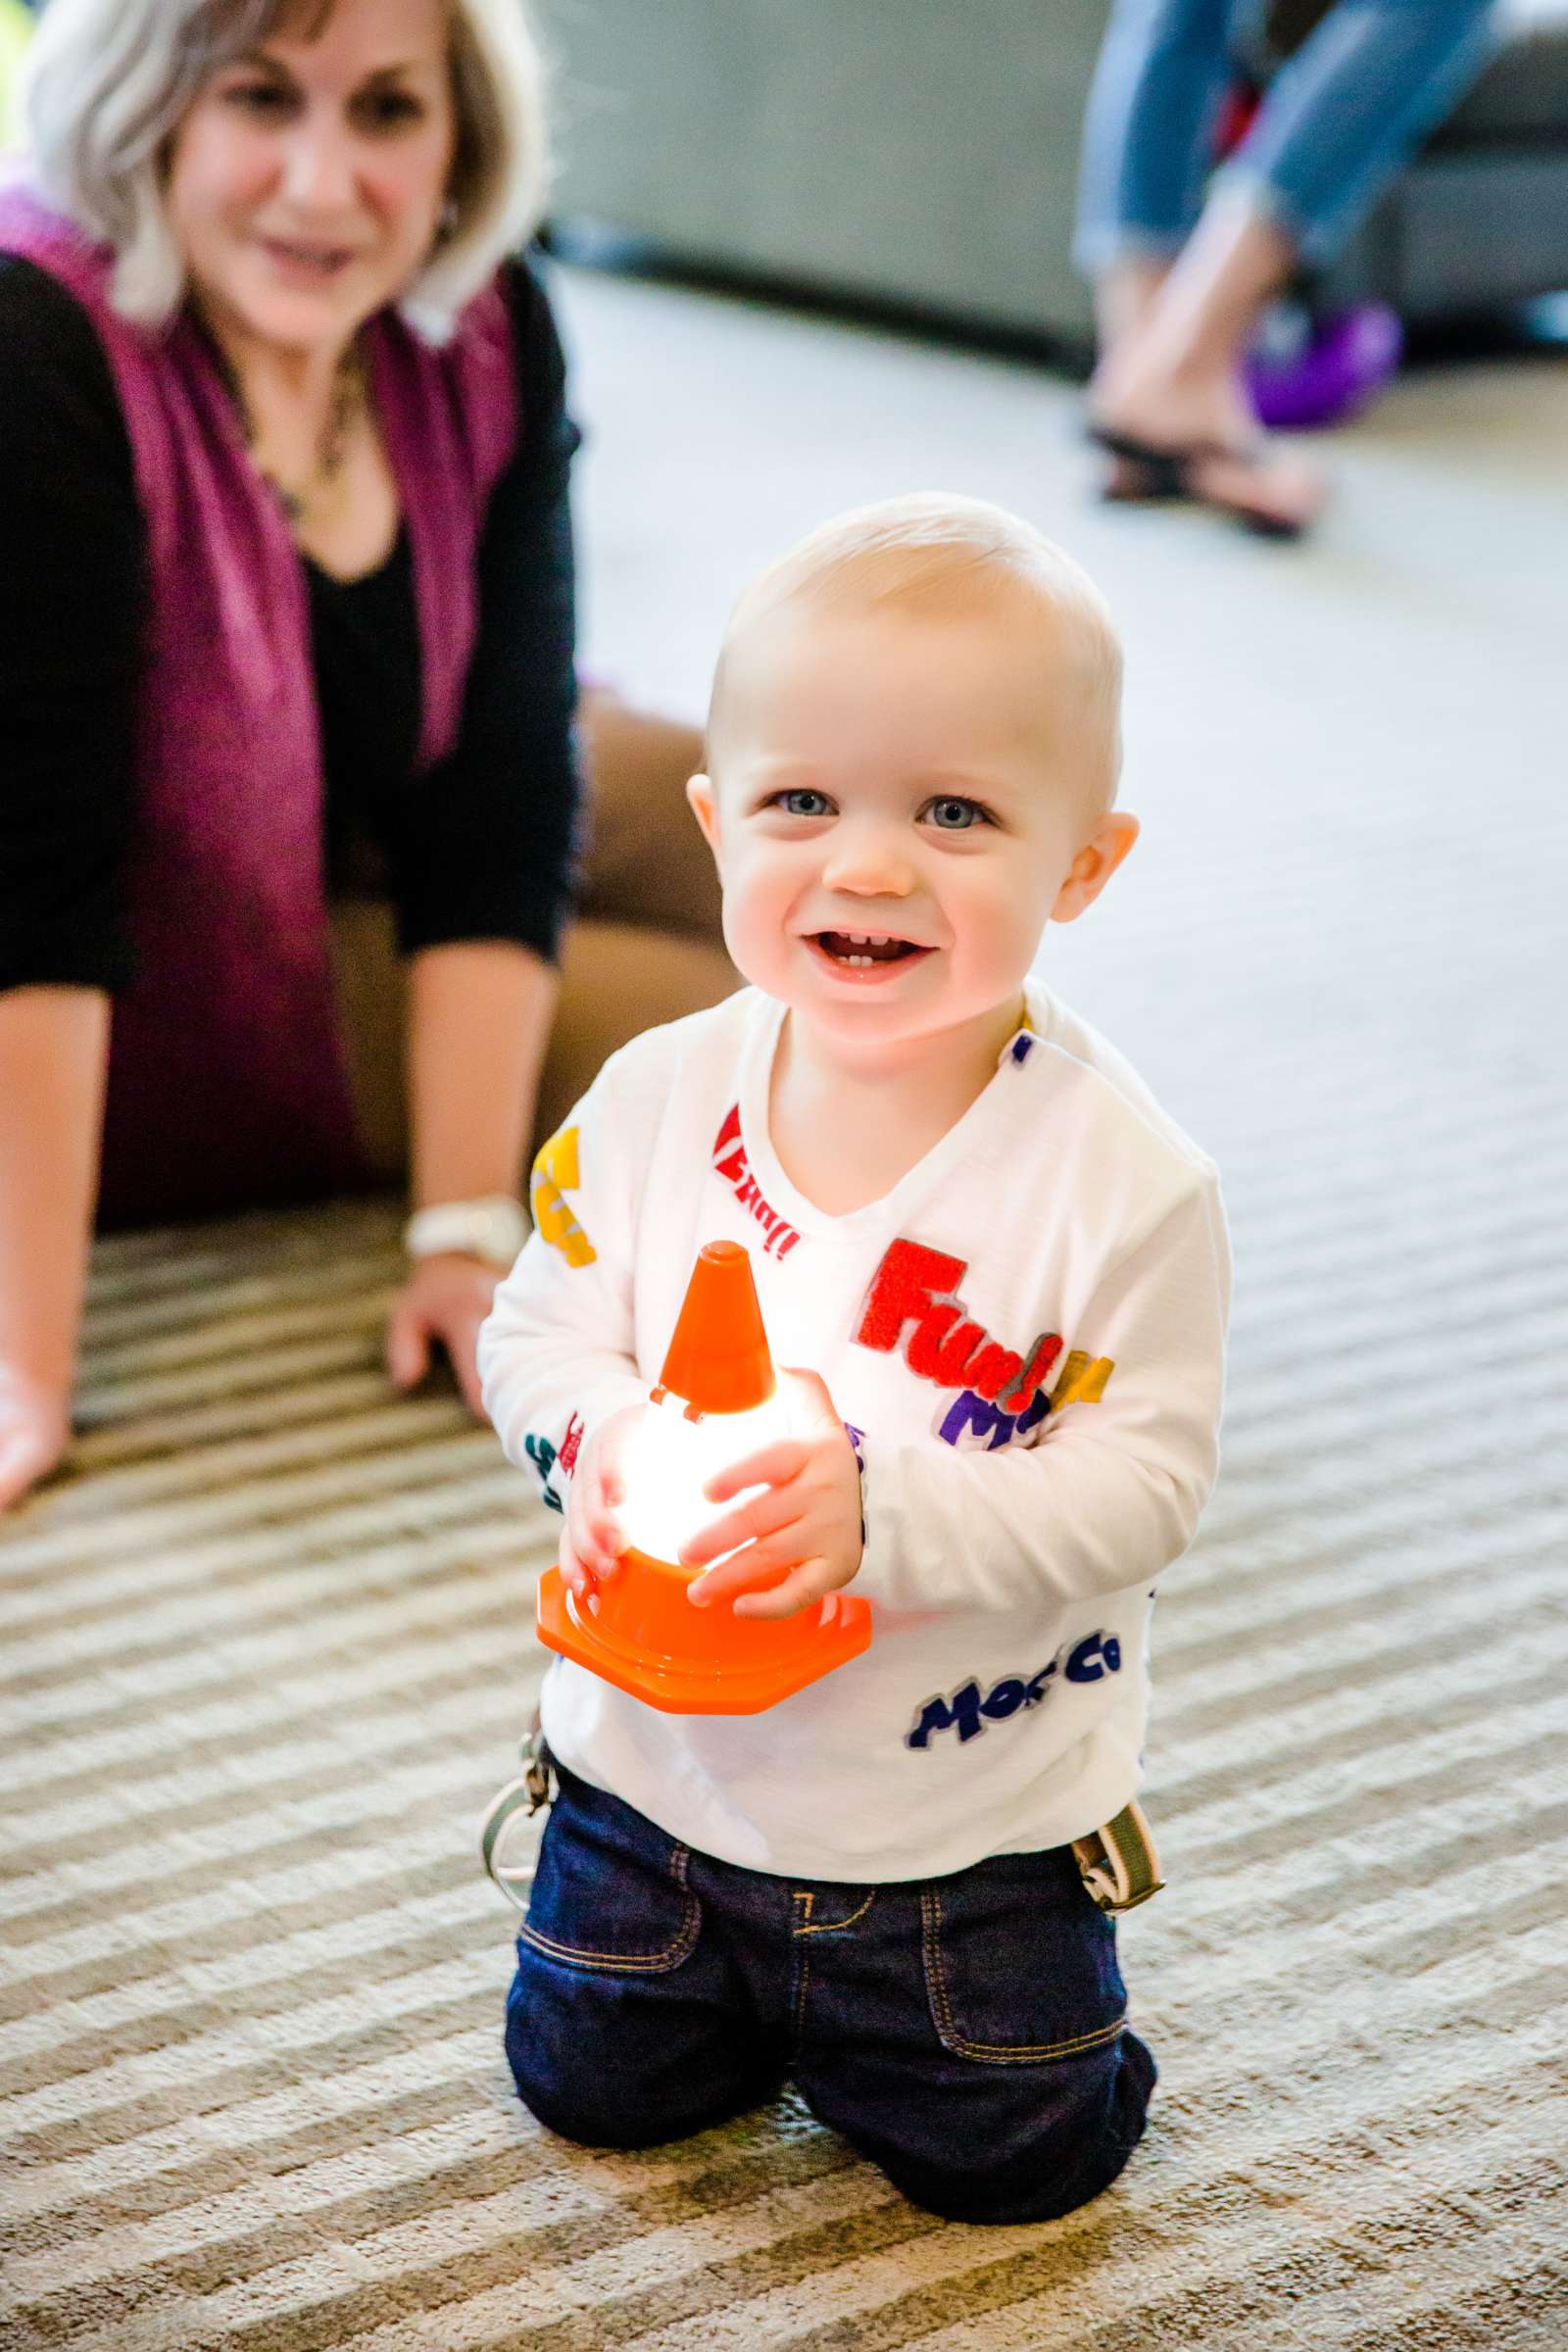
968,2033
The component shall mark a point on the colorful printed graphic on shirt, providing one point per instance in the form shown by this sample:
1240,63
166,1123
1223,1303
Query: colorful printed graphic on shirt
555,1172
546,1459
1002,1394
730,1161
968,1710
542,1454
974,1423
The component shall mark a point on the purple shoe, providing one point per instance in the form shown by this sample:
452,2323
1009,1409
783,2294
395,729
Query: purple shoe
1329,372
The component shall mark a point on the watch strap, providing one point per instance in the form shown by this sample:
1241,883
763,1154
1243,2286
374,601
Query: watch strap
494,1229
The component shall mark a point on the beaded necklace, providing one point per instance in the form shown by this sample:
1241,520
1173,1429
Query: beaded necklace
350,398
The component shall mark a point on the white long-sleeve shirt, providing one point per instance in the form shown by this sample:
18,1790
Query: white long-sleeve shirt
1026,1336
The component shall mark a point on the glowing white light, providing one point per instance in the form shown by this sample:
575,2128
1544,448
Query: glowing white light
671,1458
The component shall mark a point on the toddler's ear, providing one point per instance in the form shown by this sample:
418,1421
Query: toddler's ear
1095,863
704,807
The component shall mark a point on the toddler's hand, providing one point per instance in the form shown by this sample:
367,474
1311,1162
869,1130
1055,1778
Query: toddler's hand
808,1522
591,1542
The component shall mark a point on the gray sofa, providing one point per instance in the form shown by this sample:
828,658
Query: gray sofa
912,152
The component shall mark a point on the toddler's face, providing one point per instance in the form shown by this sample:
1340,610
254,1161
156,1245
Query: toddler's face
894,818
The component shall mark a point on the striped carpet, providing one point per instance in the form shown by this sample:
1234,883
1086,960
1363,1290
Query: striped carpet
267,1651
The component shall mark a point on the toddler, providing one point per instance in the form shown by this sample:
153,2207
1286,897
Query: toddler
1003,1273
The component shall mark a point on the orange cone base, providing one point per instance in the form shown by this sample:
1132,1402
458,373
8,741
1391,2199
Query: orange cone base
641,1632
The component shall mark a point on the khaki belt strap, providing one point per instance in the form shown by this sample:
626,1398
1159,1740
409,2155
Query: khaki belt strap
1120,1863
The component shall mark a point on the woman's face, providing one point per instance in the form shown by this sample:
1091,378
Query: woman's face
305,182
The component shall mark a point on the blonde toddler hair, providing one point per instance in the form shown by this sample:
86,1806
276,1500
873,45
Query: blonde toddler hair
933,549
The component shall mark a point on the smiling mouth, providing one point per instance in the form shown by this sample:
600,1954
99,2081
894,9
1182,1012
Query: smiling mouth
859,950
324,260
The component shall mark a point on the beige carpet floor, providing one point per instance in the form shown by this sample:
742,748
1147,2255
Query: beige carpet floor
265,1650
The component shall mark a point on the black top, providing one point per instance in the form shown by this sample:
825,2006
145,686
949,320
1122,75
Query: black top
480,848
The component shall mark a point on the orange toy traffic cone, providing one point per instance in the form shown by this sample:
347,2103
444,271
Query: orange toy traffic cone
716,1401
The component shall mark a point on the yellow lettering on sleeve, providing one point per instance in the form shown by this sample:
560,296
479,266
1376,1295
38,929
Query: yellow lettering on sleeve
555,1172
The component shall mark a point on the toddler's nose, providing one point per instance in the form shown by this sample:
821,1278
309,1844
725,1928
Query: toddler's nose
867,866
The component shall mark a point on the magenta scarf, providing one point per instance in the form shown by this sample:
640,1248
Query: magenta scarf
228,1082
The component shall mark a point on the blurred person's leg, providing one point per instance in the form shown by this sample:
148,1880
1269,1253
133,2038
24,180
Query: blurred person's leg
1176,384
618,979
1342,114
646,860
373,1015
1336,125
1148,133
646,946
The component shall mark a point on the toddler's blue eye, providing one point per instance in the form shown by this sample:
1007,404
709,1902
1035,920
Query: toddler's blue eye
955,815
790,802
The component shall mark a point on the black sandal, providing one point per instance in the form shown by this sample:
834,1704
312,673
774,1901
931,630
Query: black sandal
1171,475
1141,484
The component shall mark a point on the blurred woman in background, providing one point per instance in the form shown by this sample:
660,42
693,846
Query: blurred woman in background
291,811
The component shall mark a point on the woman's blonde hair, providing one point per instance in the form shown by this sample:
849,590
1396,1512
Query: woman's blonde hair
108,81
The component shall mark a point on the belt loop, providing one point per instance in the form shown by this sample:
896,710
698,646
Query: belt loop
537,1766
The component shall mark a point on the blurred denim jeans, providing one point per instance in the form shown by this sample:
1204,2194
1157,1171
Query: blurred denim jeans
1336,122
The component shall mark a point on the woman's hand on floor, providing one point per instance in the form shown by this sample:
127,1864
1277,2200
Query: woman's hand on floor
34,1431
445,1300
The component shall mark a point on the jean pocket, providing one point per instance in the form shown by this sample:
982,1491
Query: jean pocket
1020,1964
610,1892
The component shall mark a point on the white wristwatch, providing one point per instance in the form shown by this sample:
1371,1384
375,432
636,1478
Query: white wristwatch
494,1229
